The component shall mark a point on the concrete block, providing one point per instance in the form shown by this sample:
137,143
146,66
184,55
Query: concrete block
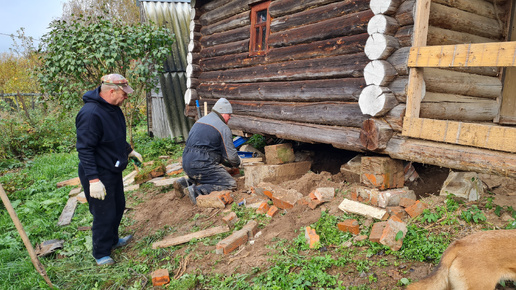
273,210
362,209
463,184
382,172
216,199
160,277
377,231
232,242
231,219
312,238
390,232
416,209
392,197
351,170
279,154
324,194
263,208
254,174
350,226
406,202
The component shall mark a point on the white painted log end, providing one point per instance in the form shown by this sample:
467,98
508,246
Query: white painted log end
379,72
380,46
376,101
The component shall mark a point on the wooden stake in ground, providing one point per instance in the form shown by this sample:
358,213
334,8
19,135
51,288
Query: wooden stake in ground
21,231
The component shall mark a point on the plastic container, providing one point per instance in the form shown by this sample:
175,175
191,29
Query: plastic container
237,141
245,154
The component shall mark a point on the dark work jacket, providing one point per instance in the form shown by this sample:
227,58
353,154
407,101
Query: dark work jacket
209,142
101,136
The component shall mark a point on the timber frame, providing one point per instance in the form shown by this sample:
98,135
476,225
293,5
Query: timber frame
417,80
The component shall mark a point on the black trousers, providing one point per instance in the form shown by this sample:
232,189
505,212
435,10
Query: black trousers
209,177
107,213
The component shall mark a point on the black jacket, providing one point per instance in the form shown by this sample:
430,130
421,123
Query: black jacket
101,136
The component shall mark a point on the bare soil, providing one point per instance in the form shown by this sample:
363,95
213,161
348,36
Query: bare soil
155,209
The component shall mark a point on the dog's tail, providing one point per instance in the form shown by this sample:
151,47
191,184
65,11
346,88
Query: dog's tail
439,278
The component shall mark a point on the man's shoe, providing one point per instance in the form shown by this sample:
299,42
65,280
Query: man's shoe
123,241
190,191
104,261
181,184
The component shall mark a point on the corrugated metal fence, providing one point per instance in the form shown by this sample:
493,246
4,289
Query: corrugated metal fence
166,108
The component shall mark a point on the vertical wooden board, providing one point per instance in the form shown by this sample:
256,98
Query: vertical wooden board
68,211
414,92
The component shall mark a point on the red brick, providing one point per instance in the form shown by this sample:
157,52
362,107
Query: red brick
251,228
160,277
312,195
416,209
397,211
377,231
406,202
232,242
272,211
312,238
286,199
263,208
231,219
314,203
391,230
350,226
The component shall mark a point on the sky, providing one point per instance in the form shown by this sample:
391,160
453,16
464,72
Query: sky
34,15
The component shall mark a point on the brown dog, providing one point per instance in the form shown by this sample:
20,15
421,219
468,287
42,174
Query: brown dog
478,261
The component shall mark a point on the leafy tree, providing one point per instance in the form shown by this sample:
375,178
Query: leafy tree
126,11
76,54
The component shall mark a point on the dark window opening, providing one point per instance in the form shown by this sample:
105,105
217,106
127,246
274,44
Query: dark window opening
260,25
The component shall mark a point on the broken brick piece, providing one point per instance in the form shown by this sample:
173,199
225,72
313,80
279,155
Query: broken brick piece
377,231
314,203
406,202
232,242
273,210
397,211
231,219
286,199
391,232
312,238
350,226
160,277
251,228
324,193
263,208
416,209
216,199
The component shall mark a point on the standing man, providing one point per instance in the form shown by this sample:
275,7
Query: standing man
103,155
209,144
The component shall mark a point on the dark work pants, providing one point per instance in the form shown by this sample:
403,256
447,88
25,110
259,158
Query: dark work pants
107,213
210,177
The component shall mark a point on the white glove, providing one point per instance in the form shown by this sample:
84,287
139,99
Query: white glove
136,155
97,190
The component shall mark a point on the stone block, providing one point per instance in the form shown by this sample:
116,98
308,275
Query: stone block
324,194
231,219
463,184
377,231
216,199
406,202
416,209
254,174
273,210
390,232
392,197
350,226
263,208
232,242
351,170
312,238
160,277
382,172
355,207
279,154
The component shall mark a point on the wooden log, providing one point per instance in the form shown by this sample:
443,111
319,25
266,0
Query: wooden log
395,117
479,7
233,35
195,35
211,5
234,22
329,47
344,90
460,83
192,83
456,107
322,113
339,137
382,24
399,60
375,134
193,71
173,241
387,7
399,87
458,20
351,24
376,101
194,46
67,214
288,7
70,182
225,11
195,14
405,13
195,26
380,46
193,58
404,35
190,97
329,67
317,14
458,157
379,72
441,36
224,49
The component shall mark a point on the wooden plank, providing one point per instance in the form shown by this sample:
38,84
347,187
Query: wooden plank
173,241
461,133
73,182
415,87
463,55
66,215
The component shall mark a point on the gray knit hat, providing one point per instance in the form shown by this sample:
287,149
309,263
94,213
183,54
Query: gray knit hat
222,106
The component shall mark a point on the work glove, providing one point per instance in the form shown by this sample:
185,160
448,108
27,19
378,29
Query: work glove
97,190
137,156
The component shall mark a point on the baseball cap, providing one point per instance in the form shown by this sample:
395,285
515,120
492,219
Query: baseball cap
119,80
